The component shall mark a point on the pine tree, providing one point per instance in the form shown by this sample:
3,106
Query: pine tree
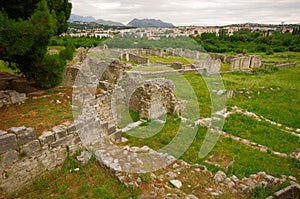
25,32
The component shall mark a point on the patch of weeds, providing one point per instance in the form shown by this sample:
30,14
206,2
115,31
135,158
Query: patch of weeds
22,154
264,192
146,123
145,177
135,116
83,189
64,197
63,188
100,192
265,69
70,163
40,184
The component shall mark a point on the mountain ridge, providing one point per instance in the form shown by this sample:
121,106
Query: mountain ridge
89,19
140,23
144,23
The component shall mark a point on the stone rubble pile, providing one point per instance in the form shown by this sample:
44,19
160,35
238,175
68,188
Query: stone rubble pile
8,97
163,176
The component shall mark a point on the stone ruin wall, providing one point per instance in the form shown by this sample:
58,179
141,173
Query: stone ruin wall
193,54
24,156
245,63
239,63
210,66
155,98
50,150
135,58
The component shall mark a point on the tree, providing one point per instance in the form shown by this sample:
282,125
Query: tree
25,32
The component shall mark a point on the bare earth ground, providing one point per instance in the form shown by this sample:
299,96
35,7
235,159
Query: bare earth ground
41,111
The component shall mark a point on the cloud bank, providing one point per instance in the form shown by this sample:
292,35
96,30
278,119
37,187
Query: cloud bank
192,12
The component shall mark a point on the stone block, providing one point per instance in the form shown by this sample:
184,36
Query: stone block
47,137
60,131
65,141
24,135
9,158
71,128
112,130
32,148
7,142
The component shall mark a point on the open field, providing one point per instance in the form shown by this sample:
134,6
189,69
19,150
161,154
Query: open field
272,95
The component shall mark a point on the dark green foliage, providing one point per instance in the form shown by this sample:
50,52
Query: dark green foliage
25,30
86,42
67,54
164,42
250,41
49,72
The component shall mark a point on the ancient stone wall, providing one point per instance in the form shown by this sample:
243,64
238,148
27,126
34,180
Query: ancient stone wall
174,65
155,98
210,65
24,156
224,58
185,53
73,66
245,63
144,51
293,64
135,58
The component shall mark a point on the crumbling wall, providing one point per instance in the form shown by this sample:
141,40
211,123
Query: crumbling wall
155,98
193,54
210,65
245,63
73,66
24,156
223,57
135,58
174,65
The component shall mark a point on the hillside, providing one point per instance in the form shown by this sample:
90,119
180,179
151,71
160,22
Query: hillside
149,23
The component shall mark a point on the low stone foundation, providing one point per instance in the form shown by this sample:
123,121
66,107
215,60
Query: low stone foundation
24,157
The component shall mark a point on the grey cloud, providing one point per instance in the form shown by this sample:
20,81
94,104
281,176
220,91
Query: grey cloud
192,12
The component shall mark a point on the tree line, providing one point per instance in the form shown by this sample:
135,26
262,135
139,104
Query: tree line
248,41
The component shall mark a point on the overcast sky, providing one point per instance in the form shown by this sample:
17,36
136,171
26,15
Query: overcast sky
192,12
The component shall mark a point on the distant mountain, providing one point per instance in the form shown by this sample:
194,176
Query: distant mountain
89,19
74,17
109,23
144,23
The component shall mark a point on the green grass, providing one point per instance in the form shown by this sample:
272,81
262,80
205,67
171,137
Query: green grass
282,57
247,160
261,133
170,59
151,68
263,192
225,67
274,95
92,181
4,68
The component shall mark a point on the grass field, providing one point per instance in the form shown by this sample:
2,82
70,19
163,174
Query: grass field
272,95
